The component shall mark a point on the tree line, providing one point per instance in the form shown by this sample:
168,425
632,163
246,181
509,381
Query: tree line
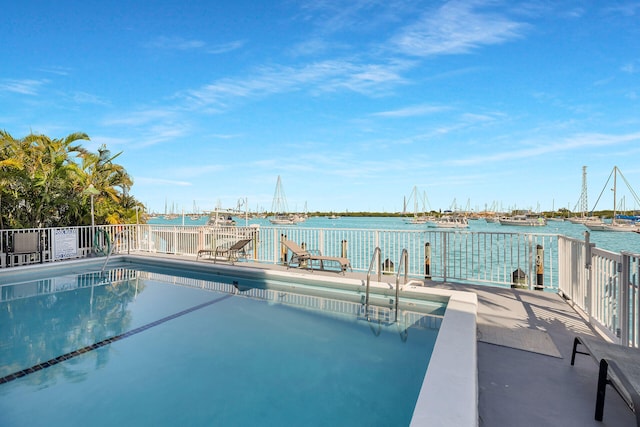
47,182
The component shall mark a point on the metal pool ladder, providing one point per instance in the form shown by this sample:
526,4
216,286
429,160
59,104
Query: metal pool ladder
404,261
374,258
126,230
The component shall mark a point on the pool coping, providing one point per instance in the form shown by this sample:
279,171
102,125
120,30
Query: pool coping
449,392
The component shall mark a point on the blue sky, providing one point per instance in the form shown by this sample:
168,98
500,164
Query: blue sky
353,103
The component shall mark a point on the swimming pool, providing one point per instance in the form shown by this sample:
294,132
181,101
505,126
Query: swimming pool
169,343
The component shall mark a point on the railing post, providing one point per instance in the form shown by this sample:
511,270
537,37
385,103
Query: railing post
283,249
445,237
539,268
344,249
427,260
305,263
587,265
624,301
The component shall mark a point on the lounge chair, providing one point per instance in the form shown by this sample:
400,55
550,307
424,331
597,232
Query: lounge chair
303,258
230,253
619,367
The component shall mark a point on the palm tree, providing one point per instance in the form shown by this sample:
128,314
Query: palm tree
43,182
110,180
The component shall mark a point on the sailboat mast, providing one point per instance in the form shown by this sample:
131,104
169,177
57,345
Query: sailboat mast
615,172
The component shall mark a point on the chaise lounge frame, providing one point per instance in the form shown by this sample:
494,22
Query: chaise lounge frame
303,258
230,254
619,367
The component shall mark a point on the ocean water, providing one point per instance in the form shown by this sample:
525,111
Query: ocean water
612,241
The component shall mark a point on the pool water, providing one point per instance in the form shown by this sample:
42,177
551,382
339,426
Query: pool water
157,352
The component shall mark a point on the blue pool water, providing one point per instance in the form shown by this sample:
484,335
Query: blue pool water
148,348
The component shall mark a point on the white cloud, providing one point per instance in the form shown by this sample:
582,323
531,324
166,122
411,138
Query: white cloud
24,86
576,142
162,181
318,77
226,47
175,43
457,27
415,110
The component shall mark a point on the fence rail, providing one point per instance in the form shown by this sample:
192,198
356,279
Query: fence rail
602,284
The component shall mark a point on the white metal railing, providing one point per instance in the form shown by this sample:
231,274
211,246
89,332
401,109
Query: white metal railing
603,284
477,257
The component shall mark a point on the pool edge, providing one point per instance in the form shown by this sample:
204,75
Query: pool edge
449,393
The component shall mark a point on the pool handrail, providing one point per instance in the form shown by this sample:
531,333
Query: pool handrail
376,256
404,261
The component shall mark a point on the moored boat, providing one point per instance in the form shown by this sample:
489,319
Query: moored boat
523,220
449,221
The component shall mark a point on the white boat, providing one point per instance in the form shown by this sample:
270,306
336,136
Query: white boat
418,217
216,220
613,226
616,224
523,221
448,221
282,220
422,219
333,216
279,206
585,219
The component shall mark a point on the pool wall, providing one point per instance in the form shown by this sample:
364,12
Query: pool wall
449,393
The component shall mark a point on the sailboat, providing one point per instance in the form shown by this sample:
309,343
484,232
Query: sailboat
418,218
279,207
616,223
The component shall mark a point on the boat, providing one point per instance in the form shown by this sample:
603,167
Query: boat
584,219
282,220
333,216
523,220
613,226
617,223
422,219
450,221
418,217
216,220
279,207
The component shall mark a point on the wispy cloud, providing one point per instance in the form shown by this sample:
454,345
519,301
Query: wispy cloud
625,9
24,86
579,141
174,43
140,117
412,111
182,44
456,27
151,126
57,70
87,98
226,47
316,78
195,171
161,181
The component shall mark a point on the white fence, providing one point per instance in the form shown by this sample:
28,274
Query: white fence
603,284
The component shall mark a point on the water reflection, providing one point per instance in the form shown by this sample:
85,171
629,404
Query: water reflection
46,318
